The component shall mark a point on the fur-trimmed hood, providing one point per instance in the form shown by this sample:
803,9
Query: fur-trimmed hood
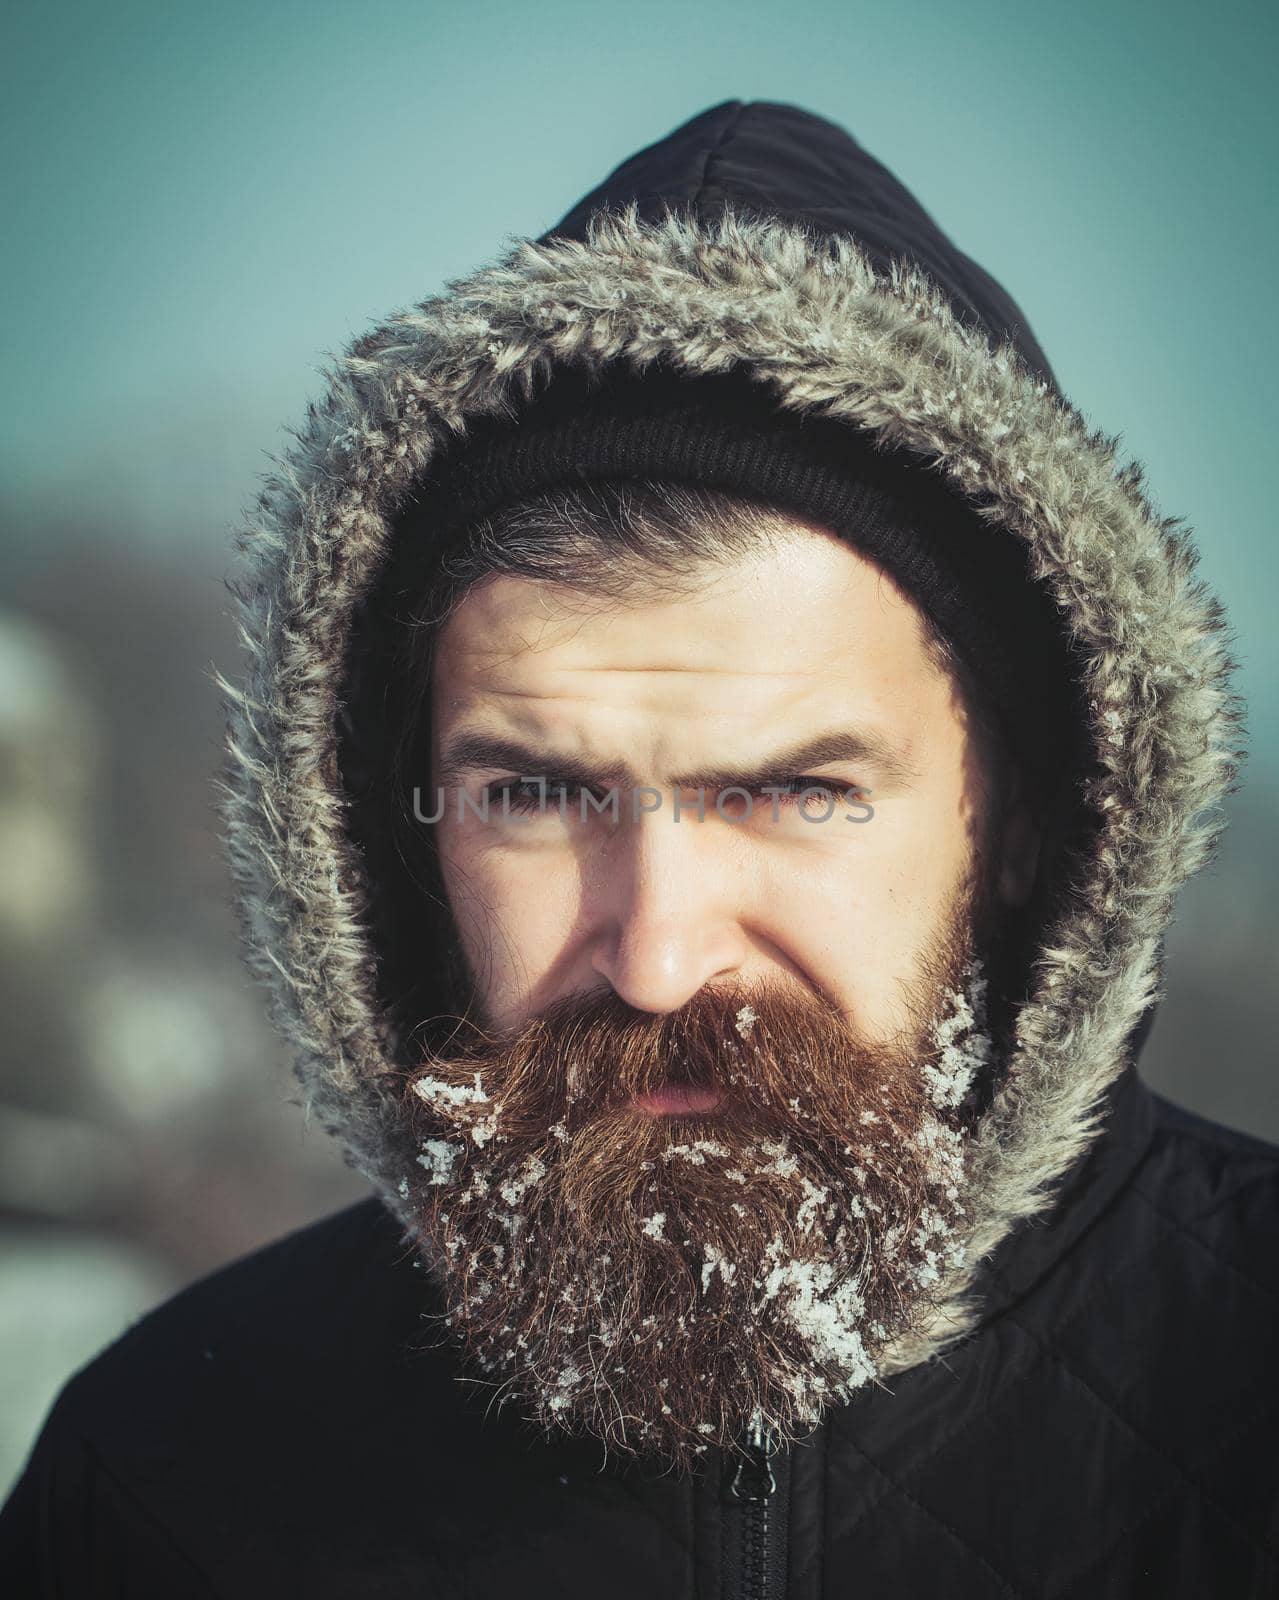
762,237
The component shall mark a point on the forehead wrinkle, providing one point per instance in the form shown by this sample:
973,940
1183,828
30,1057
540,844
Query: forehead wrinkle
596,671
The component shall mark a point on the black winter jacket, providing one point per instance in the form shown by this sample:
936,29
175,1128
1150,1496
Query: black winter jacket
1091,1413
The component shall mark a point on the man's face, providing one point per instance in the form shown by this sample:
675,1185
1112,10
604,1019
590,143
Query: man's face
806,643
714,1126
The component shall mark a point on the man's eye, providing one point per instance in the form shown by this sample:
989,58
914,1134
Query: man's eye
803,795
519,797
786,792
793,790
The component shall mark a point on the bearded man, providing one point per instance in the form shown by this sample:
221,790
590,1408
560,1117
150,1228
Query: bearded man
721,743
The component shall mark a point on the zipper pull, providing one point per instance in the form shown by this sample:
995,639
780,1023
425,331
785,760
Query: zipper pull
753,1480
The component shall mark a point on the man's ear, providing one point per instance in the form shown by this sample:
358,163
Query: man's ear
1020,841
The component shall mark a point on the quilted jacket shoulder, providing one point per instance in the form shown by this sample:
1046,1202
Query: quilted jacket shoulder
1108,1430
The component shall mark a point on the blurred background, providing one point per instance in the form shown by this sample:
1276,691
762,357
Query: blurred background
203,201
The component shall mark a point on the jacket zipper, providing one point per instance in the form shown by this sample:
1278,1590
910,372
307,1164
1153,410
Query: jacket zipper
751,1492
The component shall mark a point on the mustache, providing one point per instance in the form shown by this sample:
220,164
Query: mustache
766,1051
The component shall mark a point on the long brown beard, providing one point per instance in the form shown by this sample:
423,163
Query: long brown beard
664,1283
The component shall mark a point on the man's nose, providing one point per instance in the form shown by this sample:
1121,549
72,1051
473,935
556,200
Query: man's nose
669,921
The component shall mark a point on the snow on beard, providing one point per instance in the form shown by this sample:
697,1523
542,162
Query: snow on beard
661,1283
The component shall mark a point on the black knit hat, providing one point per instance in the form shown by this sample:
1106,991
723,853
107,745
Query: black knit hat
727,432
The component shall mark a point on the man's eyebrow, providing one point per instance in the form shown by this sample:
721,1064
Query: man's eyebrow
864,746
471,748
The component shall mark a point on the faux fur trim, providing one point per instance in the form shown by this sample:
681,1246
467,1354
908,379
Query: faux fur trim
814,321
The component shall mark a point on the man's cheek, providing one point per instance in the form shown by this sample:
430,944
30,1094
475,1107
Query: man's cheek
515,932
